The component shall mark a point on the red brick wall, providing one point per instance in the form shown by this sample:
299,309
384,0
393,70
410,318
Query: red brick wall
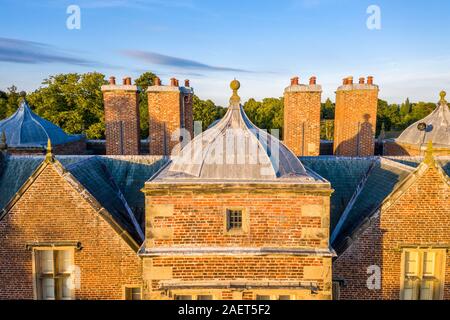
51,210
169,109
122,121
302,121
271,220
420,216
274,220
245,268
355,120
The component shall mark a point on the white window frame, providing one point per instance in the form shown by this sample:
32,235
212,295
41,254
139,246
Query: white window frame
419,278
37,290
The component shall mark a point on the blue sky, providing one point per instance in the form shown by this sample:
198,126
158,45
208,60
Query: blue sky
262,43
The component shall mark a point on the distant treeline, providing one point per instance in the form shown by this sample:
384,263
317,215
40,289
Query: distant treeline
74,102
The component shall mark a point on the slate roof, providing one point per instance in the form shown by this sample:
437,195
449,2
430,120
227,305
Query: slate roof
25,129
379,182
111,181
344,174
437,129
360,184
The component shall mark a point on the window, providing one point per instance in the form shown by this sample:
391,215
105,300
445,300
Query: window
234,219
423,274
262,297
284,297
54,274
133,293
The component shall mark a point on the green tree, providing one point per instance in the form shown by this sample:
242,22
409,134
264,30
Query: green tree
405,109
266,114
143,82
389,114
327,110
72,101
9,102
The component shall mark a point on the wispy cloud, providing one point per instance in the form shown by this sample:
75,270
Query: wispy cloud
30,52
180,63
134,4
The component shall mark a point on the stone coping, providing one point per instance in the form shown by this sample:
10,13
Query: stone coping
229,284
195,251
120,88
186,90
304,88
357,86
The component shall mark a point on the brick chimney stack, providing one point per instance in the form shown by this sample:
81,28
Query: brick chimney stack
121,117
170,109
355,118
302,117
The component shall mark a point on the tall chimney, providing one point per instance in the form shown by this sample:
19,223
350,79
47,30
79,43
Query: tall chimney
122,118
302,117
170,109
355,118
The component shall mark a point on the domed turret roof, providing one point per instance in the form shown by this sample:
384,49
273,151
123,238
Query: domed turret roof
435,128
235,149
25,129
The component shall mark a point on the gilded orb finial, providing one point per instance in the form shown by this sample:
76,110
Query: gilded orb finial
235,85
443,94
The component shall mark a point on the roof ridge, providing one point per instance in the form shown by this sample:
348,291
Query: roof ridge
78,163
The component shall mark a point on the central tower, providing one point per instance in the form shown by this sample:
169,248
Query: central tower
237,216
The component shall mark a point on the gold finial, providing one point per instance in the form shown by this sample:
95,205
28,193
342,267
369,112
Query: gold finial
49,156
443,94
235,99
429,157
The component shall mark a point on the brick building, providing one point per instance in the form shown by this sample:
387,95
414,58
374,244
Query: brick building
402,239
215,228
236,215
70,227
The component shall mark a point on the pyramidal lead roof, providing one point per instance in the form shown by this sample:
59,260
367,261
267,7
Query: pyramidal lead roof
235,149
435,128
25,129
